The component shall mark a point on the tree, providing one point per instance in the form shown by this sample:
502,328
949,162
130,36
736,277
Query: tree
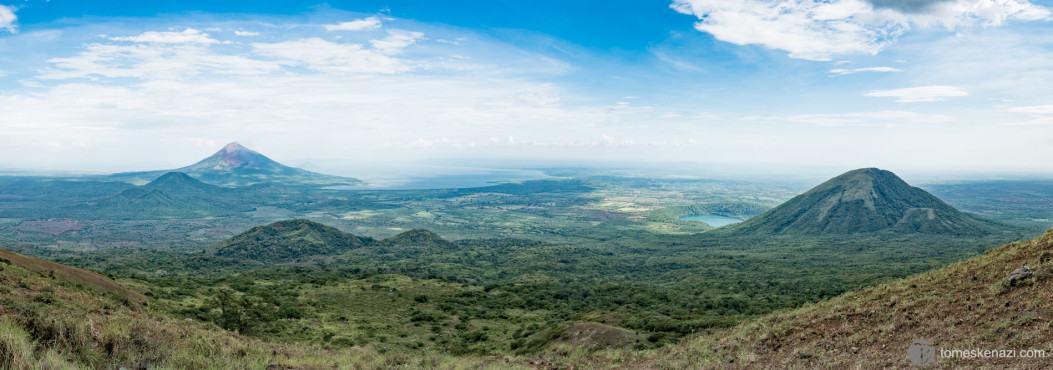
242,313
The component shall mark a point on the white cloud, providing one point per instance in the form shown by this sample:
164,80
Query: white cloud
151,61
396,41
819,30
363,24
346,96
189,53
920,94
806,29
8,19
1034,109
328,56
187,36
246,33
842,71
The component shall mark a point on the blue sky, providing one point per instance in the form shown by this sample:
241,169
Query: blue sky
899,84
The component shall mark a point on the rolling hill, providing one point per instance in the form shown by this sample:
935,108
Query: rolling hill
285,241
865,201
236,165
419,238
173,195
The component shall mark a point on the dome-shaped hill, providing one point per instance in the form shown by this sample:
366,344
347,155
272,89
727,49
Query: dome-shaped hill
173,195
182,184
862,201
287,241
419,238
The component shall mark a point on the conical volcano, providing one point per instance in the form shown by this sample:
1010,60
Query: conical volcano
236,165
234,156
863,201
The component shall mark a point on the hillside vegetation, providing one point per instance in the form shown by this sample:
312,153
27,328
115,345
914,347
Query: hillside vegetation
70,274
966,306
63,321
288,240
53,322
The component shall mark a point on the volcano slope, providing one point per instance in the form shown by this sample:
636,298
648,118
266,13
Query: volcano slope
866,200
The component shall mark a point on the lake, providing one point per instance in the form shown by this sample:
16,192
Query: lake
424,177
712,220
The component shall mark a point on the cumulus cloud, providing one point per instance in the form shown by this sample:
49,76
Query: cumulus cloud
818,30
187,36
396,41
364,24
8,19
919,94
842,71
246,33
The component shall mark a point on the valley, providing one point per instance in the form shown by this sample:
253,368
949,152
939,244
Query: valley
542,185
509,269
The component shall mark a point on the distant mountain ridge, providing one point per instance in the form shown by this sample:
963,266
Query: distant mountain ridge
236,165
864,201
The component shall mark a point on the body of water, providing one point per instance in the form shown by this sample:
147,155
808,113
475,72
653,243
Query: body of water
713,220
440,177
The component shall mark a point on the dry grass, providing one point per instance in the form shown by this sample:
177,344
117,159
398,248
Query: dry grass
963,306
71,274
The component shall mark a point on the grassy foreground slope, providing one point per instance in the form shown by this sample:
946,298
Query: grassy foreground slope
70,275
49,321
966,306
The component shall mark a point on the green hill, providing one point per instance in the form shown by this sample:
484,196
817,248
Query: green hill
419,238
286,241
236,165
864,201
178,183
173,195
